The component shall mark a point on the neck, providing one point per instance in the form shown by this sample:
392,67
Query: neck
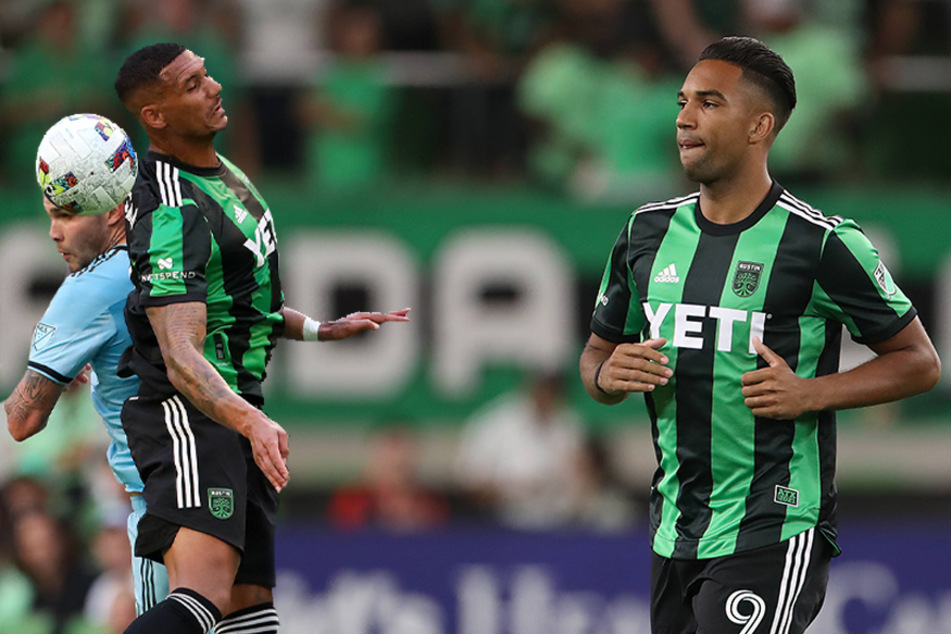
730,200
200,153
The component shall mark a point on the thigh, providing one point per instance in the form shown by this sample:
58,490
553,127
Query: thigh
671,611
193,469
257,565
773,590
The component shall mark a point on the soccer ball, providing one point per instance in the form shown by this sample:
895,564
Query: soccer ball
86,164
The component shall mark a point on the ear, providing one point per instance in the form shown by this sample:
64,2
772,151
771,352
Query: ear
152,116
116,215
762,127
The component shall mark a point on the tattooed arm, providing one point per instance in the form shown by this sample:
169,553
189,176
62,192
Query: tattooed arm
28,408
180,329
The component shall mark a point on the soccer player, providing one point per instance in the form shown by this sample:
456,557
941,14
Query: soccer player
204,316
725,308
84,325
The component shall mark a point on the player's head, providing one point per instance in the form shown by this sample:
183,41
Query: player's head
168,89
732,104
81,239
762,67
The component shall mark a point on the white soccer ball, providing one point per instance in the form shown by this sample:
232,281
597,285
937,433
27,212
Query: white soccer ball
86,164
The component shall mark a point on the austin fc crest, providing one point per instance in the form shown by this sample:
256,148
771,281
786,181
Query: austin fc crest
221,503
746,278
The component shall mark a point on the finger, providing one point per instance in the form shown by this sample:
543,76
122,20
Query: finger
650,373
284,446
756,376
768,355
645,350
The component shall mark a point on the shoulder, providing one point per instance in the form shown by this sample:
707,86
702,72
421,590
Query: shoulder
102,282
667,205
806,213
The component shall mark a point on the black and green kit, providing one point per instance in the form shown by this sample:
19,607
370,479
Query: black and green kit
726,481
204,235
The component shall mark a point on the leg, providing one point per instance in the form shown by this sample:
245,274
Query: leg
671,612
149,578
774,589
205,564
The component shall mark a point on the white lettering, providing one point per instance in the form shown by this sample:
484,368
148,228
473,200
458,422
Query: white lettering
656,319
727,317
757,327
372,367
530,328
684,328
265,240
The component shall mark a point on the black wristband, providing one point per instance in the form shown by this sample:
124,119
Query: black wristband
597,373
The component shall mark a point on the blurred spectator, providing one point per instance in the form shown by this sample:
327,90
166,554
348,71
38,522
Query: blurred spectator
595,500
212,27
518,457
51,74
46,552
688,26
830,84
110,604
496,38
389,495
348,114
603,106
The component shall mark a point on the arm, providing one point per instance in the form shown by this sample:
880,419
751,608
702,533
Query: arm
340,328
625,368
907,364
180,329
28,408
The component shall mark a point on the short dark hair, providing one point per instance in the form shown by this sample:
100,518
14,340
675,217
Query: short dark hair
763,67
143,67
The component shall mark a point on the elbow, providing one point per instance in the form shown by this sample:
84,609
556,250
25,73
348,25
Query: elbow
932,373
22,428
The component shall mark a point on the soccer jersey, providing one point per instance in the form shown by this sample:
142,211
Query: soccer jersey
727,481
204,235
84,324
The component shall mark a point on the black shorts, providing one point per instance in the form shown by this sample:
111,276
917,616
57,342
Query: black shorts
774,590
201,475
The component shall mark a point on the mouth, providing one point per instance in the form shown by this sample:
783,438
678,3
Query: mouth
217,109
688,144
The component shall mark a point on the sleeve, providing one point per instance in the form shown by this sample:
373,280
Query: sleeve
170,249
69,336
855,288
618,316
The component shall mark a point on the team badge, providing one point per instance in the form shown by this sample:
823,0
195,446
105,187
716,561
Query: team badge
884,279
221,503
746,278
42,335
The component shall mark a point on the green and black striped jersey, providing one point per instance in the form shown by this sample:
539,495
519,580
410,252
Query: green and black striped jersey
204,235
726,481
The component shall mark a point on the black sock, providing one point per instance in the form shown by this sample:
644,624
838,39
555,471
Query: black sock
183,611
260,619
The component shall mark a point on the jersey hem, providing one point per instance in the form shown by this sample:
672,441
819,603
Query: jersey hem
891,330
49,373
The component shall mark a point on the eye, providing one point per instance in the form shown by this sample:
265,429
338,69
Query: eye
710,104
681,103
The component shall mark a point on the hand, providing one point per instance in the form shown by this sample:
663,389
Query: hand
81,379
775,391
270,447
355,323
635,367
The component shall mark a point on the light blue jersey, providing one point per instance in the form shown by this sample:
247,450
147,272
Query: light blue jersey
84,324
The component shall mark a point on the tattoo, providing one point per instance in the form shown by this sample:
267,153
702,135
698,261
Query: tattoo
180,329
32,401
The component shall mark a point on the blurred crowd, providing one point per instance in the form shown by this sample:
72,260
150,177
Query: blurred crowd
577,96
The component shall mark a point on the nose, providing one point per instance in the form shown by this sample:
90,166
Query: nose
56,232
685,118
213,87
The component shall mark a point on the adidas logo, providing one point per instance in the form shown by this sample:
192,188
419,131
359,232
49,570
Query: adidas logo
668,275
